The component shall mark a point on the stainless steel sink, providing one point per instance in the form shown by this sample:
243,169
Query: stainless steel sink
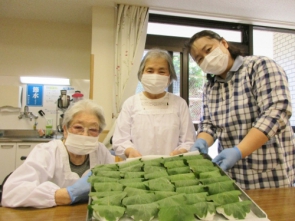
22,136
19,134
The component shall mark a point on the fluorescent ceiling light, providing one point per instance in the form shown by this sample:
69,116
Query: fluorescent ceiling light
45,80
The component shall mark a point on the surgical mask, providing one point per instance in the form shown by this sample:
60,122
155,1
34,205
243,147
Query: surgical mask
80,144
215,62
154,83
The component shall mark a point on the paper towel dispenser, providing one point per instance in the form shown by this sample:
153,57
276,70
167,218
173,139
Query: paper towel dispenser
11,96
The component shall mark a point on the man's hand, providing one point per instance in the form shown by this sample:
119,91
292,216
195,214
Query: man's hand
228,158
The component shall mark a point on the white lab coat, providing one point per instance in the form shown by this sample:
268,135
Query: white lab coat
46,169
153,131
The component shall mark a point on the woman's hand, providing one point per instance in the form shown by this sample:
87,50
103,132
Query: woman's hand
132,153
177,152
62,197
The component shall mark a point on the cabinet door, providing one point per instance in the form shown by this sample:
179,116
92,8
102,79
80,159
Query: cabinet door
22,151
7,159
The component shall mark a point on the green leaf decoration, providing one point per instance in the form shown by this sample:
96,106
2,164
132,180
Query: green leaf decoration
155,175
142,212
192,157
96,195
101,179
220,187
152,169
191,189
201,169
153,162
176,213
134,191
130,180
168,159
108,186
185,176
191,182
172,201
178,170
237,210
138,185
225,197
182,188
107,213
160,184
214,180
106,167
130,175
204,210
132,168
164,194
114,200
139,199
125,164
200,162
209,174
193,198
105,173
174,164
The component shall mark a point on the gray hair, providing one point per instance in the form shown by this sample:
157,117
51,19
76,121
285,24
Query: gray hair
157,53
88,106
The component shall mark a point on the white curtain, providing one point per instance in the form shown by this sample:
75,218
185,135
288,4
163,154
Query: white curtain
131,34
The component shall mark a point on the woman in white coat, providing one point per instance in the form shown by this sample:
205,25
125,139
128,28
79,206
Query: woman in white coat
154,122
56,173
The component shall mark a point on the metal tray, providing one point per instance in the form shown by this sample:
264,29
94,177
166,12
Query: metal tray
256,213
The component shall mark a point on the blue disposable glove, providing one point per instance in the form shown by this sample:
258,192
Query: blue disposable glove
200,145
80,189
228,158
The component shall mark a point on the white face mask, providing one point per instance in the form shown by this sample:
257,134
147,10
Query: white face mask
80,144
215,62
154,83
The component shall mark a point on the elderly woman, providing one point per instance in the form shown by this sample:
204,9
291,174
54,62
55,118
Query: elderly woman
56,173
154,122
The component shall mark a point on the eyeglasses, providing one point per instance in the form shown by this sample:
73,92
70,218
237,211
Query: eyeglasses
78,129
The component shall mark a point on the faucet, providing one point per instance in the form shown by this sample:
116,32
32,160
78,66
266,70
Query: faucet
27,114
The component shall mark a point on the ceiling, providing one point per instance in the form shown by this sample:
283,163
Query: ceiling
271,13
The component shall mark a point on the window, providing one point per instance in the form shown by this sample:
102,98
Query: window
170,33
280,46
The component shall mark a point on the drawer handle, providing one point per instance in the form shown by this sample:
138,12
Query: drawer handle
6,146
24,146
23,157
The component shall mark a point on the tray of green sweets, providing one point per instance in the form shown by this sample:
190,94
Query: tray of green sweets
186,187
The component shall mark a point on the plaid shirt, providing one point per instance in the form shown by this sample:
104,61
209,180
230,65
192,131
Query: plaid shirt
254,94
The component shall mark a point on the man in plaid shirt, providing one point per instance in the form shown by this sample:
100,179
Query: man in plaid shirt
246,106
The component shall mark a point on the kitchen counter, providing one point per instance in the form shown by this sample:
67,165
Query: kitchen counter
18,136
22,139
278,204
28,139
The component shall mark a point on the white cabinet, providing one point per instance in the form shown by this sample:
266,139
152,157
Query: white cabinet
12,155
7,159
22,151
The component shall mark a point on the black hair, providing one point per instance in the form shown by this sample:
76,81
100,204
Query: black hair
233,50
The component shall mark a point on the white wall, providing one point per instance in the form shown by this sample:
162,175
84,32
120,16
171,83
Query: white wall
103,49
36,48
